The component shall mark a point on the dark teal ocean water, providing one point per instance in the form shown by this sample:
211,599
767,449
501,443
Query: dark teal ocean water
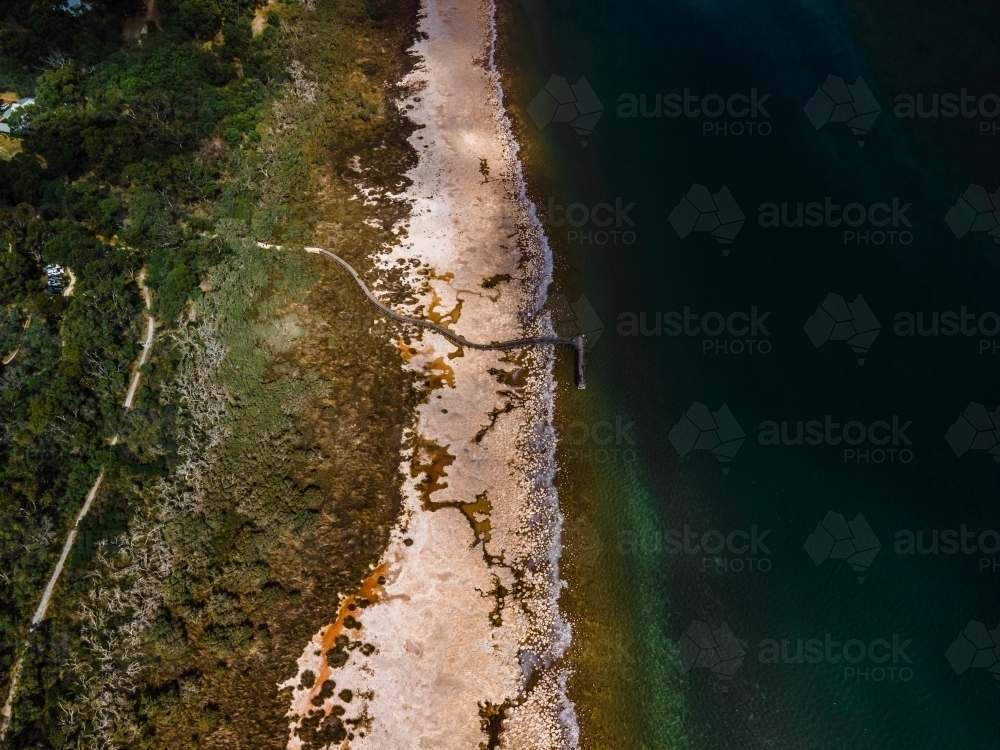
781,617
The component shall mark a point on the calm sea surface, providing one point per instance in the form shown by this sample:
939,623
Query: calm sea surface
796,336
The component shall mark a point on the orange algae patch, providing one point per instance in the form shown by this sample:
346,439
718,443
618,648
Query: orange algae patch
441,318
405,350
434,471
372,590
441,373
481,507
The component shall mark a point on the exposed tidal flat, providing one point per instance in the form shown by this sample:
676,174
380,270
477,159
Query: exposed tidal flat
466,637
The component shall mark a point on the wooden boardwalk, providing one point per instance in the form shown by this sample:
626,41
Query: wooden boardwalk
576,342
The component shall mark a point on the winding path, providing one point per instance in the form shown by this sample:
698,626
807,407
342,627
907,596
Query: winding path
576,342
10,357
8,707
146,345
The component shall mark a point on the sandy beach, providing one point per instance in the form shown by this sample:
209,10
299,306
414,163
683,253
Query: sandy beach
438,647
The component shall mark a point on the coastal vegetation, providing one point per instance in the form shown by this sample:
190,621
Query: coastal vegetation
255,478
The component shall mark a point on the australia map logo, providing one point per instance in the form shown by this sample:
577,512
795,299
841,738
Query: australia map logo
976,429
715,649
575,104
576,318
850,103
703,211
836,538
703,429
976,211
837,320
977,648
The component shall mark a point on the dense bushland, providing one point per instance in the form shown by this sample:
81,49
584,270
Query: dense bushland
245,494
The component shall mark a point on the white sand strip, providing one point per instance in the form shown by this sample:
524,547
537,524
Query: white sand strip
459,623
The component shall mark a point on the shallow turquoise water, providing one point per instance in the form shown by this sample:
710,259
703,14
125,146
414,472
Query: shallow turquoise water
892,685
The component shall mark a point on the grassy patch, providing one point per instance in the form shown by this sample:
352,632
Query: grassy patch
9,147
